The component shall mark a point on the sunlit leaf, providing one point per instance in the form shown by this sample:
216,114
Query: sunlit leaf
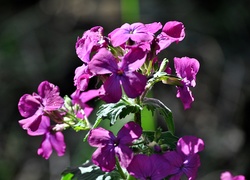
156,105
88,171
166,138
113,111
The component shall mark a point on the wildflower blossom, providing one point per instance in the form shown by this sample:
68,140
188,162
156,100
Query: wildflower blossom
81,99
123,72
146,167
51,140
186,68
137,32
185,159
82,77
36,107
90,41
110,146
172,31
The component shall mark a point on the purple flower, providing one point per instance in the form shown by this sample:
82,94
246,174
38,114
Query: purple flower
137,32
82,77
81,98
123,72
146,167
78,98
91,41
110,146
36,107
51,140
228,176
173,31
186,68
185,160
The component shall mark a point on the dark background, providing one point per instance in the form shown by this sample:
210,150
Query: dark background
37,42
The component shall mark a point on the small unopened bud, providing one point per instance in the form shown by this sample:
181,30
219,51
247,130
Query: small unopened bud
67,102
164,147
157,134
60,127
163,65
157,148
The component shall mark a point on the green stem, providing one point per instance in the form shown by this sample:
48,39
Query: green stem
147,88
130,177
150,84
137,115
149,67
120,169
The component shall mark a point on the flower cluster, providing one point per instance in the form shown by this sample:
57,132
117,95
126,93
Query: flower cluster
37,110
183,160
47,114
127,57
126,66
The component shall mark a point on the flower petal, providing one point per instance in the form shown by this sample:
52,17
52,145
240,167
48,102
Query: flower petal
28,105
112,88
139,32
50,94
228,176
175,160
191,165
125,155
174,30
82,77
88,110
187,68
40,127
103,62
45,88
32,124
133,83
87,43
45,149
129,132
90,94
104,157
190,145
146,167
176,176
57,142
184,93
100,137
134,59
140,167
120,35
153,27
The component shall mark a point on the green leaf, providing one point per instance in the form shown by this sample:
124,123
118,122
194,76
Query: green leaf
89,171
169,139
113,111
165,78
155,104
97,122
81,125
67,176
165,138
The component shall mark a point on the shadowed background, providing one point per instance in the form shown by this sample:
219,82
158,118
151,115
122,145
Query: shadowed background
37,42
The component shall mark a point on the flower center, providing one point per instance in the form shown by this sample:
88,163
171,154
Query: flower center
119,72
